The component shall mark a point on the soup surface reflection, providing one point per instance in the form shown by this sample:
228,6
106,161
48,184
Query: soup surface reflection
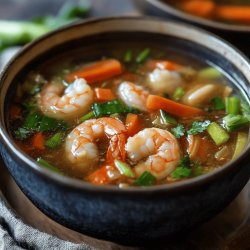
131,117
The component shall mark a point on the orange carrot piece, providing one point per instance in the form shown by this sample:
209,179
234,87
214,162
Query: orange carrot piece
233,13
163,64
155,103
96,72
102,94
204,8
15,112
132,124
38,141
100,176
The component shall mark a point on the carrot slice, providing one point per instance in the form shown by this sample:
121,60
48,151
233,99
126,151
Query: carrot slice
155,103
234,13
96,72
132,124
102,94
204,8
163,64
38,141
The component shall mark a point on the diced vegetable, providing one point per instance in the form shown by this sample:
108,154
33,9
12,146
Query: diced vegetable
166,118
88,116
38,141
155,103
233,105
55,140
209,73
143,55
217,133
47,165
102,94
234,122
198,127
178,93
181,172
218,103
32,121
146,179
97,72
22,133
241,142
124,169
178,131
111,107
132,124
128,56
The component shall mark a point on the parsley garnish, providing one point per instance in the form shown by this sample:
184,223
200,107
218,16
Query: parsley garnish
183,169
198,127
21,134
178,131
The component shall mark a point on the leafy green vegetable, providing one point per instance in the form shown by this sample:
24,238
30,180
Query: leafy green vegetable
178,131
143,55
124,169
55,140
166,118
21,134
88,116
181,172
32,121
185,162
178,93
234,122
218,103
47,165
51,124
146,179
198,127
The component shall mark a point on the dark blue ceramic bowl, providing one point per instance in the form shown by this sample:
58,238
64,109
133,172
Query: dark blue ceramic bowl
133,215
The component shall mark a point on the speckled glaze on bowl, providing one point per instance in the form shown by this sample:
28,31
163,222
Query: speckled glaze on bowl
135,215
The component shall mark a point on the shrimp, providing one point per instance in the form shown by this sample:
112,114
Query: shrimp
133,95
75,101
162,80
161,149
81,144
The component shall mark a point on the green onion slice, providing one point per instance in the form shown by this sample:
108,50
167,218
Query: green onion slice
47,165
124,169
143,55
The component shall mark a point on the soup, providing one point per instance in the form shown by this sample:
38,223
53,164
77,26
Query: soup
130,117
229,11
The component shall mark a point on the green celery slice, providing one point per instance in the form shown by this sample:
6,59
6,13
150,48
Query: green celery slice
241,142
217,133
233,105
55,140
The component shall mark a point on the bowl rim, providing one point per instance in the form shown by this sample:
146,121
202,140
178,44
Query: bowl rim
198,20
68,182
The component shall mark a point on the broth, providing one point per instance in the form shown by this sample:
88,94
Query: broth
142,117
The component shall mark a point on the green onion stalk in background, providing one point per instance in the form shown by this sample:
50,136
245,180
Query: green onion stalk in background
14,33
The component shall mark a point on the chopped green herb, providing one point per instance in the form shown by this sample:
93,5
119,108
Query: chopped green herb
146,179
112,107
128,56
233,105
217,133
143,56
181,172
47,165
198,127
51,124
55,140
124,169
178,131
22,134
185,162
32,121
234,122
218,103
178,93
166,118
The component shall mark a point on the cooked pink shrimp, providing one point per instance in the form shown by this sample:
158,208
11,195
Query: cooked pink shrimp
133,95
161,149
81,148
66,103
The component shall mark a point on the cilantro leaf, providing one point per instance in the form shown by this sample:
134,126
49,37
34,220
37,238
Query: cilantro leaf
21,134
178,131
198,127
185,162
218,103
181,172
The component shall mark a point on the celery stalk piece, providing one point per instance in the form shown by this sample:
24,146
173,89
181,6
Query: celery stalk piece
241,142
217,133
